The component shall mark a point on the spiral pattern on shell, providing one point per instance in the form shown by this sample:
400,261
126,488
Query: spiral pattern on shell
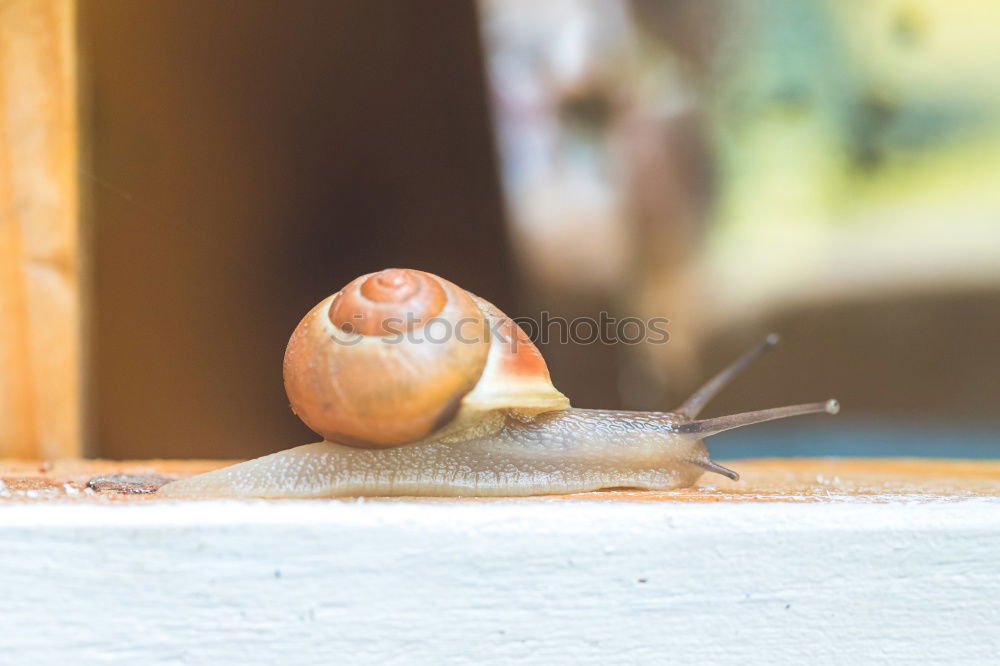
387,359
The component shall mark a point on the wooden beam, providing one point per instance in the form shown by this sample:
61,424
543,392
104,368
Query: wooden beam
40,309
803,561
527,581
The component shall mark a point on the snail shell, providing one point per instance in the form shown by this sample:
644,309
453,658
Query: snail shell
399,354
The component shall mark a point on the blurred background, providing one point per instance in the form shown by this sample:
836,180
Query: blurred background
827,169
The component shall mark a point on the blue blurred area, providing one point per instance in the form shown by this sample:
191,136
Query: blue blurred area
856,439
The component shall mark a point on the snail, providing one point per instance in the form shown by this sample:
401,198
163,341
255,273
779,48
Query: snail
419,387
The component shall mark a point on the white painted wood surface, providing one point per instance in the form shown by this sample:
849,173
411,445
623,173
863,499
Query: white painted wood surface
529,581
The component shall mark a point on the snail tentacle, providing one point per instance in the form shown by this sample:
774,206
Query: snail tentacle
707,427
700,398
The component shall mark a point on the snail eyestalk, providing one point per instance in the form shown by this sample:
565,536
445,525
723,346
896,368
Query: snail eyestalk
693,405
708,427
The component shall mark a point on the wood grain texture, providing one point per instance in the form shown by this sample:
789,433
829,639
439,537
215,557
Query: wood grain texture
40,306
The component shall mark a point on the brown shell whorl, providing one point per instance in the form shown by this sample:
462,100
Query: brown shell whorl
379,363
389,302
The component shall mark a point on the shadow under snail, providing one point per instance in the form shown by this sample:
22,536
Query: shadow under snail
420,388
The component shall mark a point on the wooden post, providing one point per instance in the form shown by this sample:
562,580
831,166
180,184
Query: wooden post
40,309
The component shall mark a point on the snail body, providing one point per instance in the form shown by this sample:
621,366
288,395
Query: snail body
467,411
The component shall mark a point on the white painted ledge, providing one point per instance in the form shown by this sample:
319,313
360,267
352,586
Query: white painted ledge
537,582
